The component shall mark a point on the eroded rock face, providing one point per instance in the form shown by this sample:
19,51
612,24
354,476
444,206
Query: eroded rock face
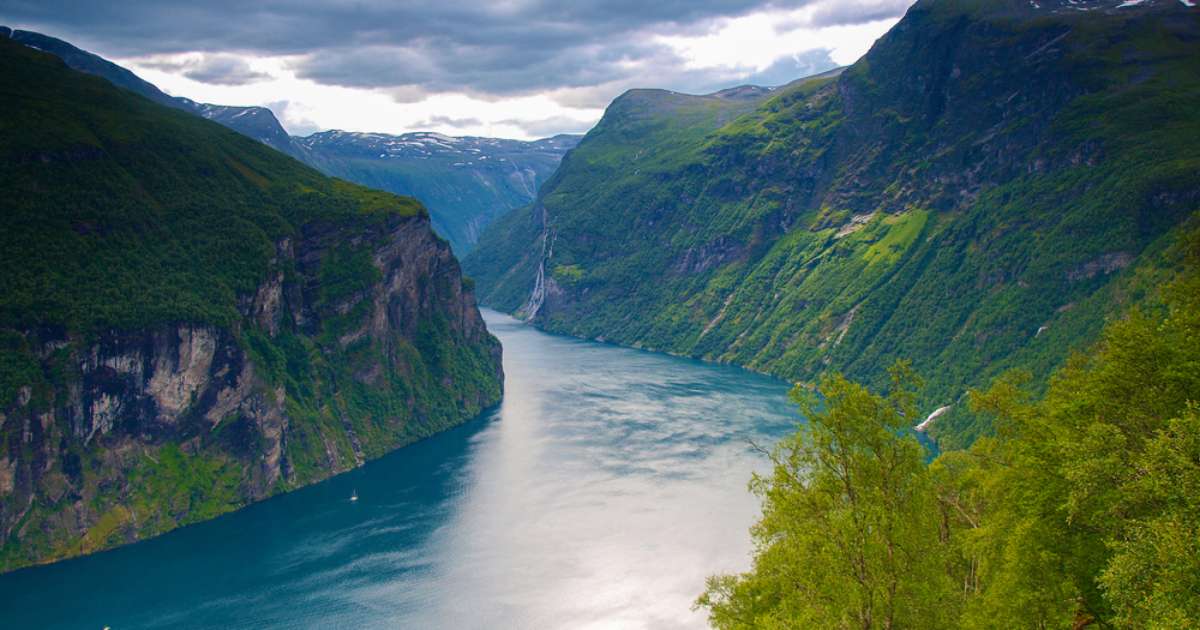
97,459
149,378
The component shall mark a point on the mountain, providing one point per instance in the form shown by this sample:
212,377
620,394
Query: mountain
976,194
256,122
465,182
191,321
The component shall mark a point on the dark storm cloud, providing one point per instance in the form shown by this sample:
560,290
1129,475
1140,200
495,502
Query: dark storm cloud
501,69
414,47
138,27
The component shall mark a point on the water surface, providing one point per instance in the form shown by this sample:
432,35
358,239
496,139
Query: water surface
599,494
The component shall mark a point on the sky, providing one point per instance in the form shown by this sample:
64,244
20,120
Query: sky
507,68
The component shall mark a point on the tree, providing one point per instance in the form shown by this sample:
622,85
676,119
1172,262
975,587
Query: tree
1153,578
850,535
1082,509
1088,517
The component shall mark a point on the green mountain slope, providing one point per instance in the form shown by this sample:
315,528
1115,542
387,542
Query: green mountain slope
465,182
191,321
977,193
255,122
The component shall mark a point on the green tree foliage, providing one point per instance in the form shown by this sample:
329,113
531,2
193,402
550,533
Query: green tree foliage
849,515
1153,578
1082,511
1086,520
120,213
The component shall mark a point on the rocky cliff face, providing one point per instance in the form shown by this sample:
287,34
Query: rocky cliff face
136,412
191,322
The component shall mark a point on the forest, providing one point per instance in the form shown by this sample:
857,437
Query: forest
1082,509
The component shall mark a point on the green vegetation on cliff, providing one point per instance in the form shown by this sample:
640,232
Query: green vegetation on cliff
465,182
191,321
152,216
976,194
1081,511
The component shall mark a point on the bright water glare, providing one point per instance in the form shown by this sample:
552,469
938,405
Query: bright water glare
600,494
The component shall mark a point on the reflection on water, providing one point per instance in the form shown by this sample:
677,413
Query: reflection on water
600,494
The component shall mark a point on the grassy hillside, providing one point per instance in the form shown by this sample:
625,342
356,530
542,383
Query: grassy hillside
644,140
979,192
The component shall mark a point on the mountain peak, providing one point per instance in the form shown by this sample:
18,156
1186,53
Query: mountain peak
984,168
743,92
1027,8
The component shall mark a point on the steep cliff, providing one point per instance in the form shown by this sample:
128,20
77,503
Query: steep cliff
976,194
190,322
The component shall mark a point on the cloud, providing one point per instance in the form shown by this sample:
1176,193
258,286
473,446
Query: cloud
546,127
825,13
486,49
515,68
791,67
488,71
168,63
589,97
678,77
213,69
224,70
448,121
840,13
293,119
143,27
408,93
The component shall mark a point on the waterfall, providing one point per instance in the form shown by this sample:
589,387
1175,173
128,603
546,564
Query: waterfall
933,416
537,297
533,304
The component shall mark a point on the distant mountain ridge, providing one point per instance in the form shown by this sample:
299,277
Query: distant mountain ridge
425,144
467,181
451,175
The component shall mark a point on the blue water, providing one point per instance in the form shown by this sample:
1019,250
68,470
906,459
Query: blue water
599,494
